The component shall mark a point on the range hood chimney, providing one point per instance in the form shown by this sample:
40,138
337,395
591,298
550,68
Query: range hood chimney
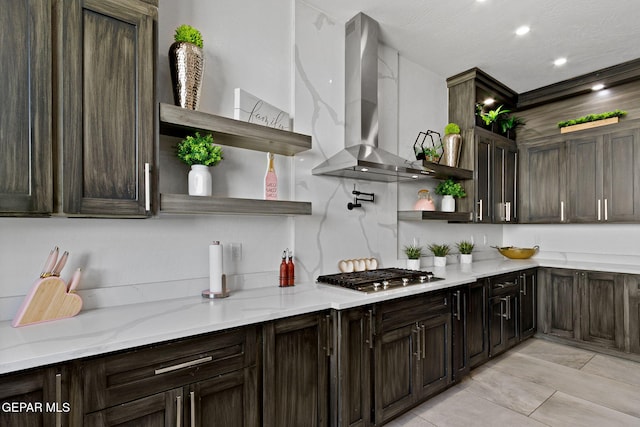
361,158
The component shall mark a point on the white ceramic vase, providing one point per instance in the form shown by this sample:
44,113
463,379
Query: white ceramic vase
439,261
199,180
413,264
466,258
448,204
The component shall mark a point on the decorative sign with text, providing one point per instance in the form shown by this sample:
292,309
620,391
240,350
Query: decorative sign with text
251,109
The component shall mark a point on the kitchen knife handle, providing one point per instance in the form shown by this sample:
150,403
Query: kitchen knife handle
147,186
183,365
60,264
179,411
192,397
58,400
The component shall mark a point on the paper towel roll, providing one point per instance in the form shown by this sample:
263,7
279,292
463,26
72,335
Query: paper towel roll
215,267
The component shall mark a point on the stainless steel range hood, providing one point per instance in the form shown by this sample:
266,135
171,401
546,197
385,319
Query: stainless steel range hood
361,158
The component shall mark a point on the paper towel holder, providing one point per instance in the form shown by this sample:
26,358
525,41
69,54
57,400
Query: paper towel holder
216,295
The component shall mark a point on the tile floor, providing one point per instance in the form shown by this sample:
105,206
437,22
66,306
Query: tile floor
538,383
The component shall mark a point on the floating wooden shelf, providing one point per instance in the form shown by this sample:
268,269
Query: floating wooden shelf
185,204
590,125
444,172
180,122
434,215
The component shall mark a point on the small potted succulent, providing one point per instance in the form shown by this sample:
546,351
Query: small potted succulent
449,189
465,248
451,144
508,126
199,152
440,253
186,60
413,253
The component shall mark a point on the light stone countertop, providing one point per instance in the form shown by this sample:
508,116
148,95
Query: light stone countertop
100,331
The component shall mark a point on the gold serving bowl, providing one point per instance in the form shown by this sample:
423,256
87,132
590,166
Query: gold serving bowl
517,253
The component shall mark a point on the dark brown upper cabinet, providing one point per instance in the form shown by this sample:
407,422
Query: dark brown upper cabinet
107,88
26,184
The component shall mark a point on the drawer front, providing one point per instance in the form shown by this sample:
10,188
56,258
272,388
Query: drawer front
396,314
503,284
120,378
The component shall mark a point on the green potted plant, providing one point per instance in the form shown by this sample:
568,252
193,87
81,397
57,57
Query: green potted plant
432,154
492,117
451,144
186,60
449,189
509,124
440,253
199,152
413,253
465,248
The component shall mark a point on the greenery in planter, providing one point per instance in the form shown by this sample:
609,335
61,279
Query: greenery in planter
432,153
188,34
450,188
592,118
493,116
413,251
439,250
465,247
511,123
199,150
451,129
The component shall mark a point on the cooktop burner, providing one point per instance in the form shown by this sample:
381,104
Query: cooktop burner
379,280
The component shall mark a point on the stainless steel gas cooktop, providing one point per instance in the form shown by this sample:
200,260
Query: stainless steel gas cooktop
379,280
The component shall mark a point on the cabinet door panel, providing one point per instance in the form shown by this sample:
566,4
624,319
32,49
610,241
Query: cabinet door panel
394,364
478,345
108,105
633,295
543,183
528,304
564,304
460,340
296,372
229,400
483,180
158,410
585,180
603,308
435,366
622,175
26,184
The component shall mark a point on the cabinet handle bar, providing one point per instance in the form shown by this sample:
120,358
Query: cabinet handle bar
183,365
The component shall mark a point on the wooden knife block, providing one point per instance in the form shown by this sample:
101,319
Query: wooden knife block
47,300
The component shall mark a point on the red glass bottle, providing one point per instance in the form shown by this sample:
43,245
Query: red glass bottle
284,281
291,271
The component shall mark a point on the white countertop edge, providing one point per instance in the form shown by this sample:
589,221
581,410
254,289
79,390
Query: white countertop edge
101,331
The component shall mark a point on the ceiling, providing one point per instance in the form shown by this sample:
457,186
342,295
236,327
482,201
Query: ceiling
451,36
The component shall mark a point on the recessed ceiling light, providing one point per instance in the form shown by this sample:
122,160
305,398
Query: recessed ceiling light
598,86
521,31
559,62
480,1
488,101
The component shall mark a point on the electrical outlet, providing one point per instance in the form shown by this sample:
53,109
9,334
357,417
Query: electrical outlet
236,251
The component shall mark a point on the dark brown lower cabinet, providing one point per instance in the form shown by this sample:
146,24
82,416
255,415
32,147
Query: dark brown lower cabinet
45,390
503,313
477,323
162,409
351,369
412,354
460,338
527,282
602,308
560,303
296,356
632,286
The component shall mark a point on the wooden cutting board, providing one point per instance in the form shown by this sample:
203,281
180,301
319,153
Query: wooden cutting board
47,300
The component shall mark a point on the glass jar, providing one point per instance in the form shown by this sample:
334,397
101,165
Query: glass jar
424,203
